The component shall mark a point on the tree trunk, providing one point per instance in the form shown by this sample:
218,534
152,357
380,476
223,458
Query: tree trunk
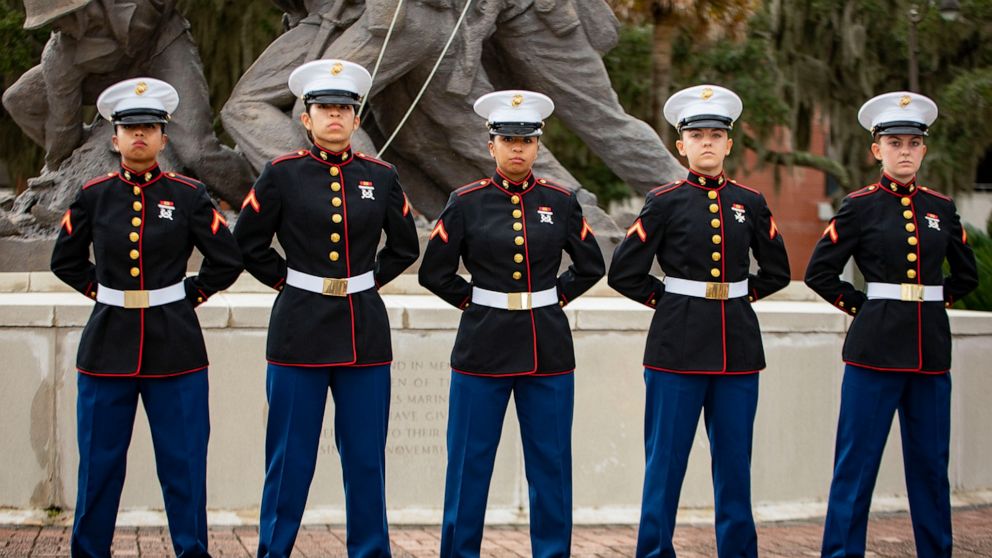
664,30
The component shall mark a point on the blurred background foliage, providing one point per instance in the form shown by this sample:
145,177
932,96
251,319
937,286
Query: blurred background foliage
791,61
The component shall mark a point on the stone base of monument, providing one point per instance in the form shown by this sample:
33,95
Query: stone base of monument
40,324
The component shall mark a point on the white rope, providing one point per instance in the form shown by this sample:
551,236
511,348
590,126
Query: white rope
437,64
382,52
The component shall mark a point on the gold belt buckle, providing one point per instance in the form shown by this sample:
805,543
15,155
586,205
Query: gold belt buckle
335,287
518,301
136,299
718,291
911,292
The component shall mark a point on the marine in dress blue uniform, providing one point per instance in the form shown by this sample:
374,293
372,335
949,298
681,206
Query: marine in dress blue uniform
142,338
898,348
704,348
510,231
329,207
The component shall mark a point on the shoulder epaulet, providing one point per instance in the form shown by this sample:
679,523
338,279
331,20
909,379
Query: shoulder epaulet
371,159
867,190
933,193
548,184
748,188
99,179
191,182
665,188
472,186
288,156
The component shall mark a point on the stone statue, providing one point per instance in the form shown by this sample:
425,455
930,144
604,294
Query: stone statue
441,145
557,49
96,43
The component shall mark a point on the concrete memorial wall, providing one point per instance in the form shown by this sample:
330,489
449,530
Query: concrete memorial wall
40,325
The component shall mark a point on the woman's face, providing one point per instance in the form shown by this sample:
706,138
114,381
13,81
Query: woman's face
514,156
901,156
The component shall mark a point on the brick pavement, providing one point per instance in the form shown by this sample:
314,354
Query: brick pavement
889,536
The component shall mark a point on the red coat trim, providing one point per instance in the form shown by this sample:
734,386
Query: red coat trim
99,179
148,376
880,369
325,364
471,187
867,190
748,188
932,193
373,160
406,205
711,372
772,230
288,156
182,179
548,184
512,374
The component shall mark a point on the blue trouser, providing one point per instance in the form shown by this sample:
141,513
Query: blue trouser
475,422
179,417
671,415
297,397
868,401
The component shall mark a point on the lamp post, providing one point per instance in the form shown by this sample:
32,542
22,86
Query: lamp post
949,11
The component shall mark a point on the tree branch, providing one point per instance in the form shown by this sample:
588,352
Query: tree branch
799,159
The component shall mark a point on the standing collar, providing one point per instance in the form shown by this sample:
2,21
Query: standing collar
140,178
514,187
332,157
893,186
704,181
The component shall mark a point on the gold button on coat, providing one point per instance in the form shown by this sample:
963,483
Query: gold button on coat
136,221
517,275
518,227
334,171
715,272
911,273
135,272
336,186
515,199
134,254
336,202
911,257
517,213
137,191
335,237
716,239
715,223
519,241
716,256
334,256
336,218
518,258
133,236
714,208
910,227
136,205
912,241
711,194
907,214
905,201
